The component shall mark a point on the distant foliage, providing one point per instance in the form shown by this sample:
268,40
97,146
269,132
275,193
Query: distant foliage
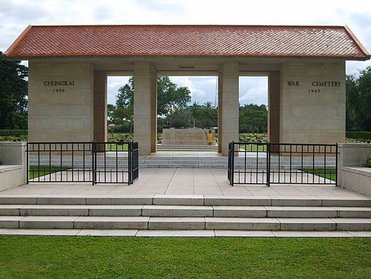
253,118
13,94
359,135
358,101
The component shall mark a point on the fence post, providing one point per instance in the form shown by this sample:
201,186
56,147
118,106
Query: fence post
268,160
93,162
336,164
27,164
130,163
231,163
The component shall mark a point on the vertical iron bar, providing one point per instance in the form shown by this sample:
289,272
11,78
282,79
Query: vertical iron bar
302,163
93,166
38,161
117,162
130,163
232,164
336,165
27,163
324,165
268,166
313,147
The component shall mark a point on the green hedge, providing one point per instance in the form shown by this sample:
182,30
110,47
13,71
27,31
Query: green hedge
14,133
359,134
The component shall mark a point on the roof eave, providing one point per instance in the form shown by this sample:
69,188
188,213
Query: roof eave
27,57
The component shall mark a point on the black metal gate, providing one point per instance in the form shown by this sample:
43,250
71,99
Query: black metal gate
95,162
282,163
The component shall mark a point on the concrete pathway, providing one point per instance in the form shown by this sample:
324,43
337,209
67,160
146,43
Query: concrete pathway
173,181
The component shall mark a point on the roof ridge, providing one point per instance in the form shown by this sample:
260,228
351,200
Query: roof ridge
192,25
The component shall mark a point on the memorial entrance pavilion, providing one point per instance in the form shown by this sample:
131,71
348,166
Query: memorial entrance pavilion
69,65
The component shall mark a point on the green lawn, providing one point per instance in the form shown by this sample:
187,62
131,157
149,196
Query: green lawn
101,257
329,174
35,171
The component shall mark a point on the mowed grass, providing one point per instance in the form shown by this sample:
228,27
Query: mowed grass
328,173
38,171
103,257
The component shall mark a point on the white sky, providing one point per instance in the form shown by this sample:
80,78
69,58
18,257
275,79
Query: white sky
15,15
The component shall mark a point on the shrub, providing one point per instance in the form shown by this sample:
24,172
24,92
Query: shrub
365,135
369,162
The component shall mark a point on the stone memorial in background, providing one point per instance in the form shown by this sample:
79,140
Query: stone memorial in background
189,136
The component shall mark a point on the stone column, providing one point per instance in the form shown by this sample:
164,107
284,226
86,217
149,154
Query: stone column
143,108
100,106
274,107
229,106
153,111
220,109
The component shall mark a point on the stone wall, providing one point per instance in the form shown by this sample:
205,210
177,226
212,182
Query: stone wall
61,102
352,174
312,103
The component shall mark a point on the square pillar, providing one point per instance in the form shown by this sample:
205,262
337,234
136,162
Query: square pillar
220,108
153,111
274,107
144,110
229,106
100,106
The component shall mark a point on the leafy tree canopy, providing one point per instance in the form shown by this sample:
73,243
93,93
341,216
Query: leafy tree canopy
13,94
358,93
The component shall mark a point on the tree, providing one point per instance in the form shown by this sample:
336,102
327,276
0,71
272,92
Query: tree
13,94
364,89
358,103
170,97
352,105
253,118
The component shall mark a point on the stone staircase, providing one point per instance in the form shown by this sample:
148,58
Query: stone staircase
189,161
163,215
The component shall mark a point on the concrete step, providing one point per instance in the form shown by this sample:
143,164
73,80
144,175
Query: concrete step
184,233
185,211
192,200
185,223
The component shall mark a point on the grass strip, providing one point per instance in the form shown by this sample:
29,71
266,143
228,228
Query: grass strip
38,171
104,257
328,173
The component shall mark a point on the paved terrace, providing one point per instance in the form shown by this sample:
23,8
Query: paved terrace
180,181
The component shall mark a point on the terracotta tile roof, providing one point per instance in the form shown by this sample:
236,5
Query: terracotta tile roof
187,40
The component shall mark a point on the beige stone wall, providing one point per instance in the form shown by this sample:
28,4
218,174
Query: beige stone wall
62,112
312,103
189,136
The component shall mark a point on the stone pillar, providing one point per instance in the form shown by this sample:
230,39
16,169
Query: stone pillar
229,106
143,108
220,122
100,106
153,111
274,107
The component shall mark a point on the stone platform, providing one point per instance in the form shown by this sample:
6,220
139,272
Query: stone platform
184,203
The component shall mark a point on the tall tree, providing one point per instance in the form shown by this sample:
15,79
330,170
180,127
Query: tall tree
364,88
13,94
170,97
253,118
358,93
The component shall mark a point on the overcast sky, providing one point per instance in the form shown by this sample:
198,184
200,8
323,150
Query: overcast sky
16,15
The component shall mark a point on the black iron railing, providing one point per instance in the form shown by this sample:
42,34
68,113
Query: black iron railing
95,162
282,163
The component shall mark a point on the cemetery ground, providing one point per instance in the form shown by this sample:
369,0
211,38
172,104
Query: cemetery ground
115,257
